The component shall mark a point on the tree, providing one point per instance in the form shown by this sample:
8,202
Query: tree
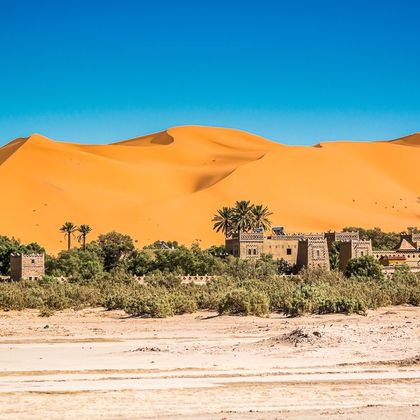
186,261
116,248
261,216
75,264
223,221
84,230
140,263
365,266
243,216
68,229
217,250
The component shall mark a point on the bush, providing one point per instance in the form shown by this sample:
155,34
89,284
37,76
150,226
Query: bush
253,290
9,298
115,299
260,304
342,305
235,302
45,312
244,302
414,297
301,301
365,266
156,305
183,303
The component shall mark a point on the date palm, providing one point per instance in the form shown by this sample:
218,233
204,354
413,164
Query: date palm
83,230
243,216
261,215
223,221
68,229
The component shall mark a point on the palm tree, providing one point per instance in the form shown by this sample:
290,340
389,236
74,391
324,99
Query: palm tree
68,229
223,220
262,215
83,230
243,216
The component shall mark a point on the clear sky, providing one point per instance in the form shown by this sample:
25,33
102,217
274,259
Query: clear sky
97,71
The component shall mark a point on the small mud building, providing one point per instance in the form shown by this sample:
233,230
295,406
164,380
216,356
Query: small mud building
27,266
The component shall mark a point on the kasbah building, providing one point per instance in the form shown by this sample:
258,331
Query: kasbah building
312,250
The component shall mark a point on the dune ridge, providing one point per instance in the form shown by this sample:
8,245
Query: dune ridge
411,140
167,185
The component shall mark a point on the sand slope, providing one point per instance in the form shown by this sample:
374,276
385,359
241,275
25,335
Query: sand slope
167,185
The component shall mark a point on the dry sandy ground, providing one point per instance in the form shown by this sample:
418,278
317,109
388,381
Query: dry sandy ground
97,364
168,185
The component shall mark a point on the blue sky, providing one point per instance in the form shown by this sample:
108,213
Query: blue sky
294,71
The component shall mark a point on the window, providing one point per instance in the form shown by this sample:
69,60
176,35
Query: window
362,253
255,251
32,261
249,251
289,251
318,253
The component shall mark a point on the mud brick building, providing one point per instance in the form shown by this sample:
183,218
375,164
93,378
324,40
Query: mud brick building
27,266
407,253
313,250
297,249
353,249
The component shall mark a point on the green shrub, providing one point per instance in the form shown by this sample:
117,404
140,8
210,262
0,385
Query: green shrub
260,304
10,299
183,303
56,299
156,305
342,305
415,297
303,300
244,302
46,312
115,299
365,266
253,290
235,302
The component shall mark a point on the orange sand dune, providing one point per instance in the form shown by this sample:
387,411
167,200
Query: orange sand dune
167,185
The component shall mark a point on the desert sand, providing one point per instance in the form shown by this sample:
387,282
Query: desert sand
97,364
168,185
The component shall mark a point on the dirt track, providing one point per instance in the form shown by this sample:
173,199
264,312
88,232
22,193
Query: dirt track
99,364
